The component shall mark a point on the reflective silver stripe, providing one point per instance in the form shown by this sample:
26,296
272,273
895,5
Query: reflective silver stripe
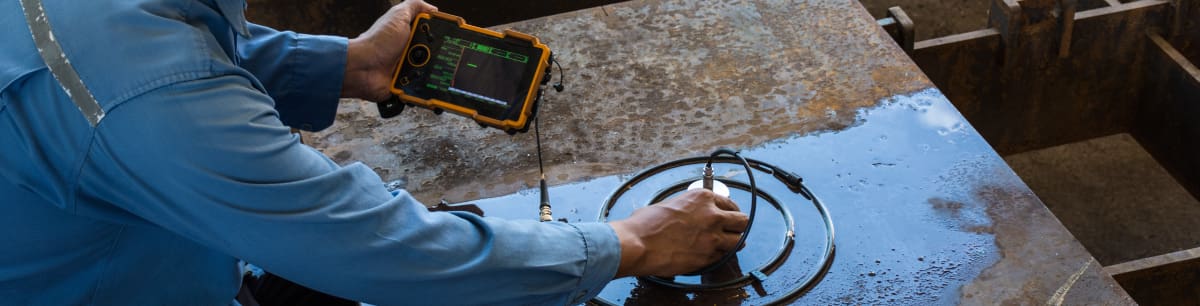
56,60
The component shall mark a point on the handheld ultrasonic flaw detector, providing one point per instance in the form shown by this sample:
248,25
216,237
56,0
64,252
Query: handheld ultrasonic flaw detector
492,77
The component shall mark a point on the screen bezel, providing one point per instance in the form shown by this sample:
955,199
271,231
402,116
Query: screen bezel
439,26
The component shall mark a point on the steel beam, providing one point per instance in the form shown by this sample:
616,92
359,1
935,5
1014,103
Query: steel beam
1161,280
1167,122
900,27
1034,80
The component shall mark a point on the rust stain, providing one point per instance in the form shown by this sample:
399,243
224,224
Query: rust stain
960,218
1032,241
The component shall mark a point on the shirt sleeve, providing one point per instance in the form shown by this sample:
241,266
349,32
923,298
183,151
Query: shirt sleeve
302,73
209,160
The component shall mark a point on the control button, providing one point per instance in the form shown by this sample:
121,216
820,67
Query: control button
425,30
404,81
418,55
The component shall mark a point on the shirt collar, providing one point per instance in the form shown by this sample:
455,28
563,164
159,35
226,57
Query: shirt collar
235,13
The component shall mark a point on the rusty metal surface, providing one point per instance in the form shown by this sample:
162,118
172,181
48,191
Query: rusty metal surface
1116,75
490,13
1016,86
926,210
900,27
646,82
1153,262
1022,94
1170,279
1167,124
1184,23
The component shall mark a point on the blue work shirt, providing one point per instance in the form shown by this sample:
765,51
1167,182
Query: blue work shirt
191,167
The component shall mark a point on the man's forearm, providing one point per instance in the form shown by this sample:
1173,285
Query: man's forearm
302,73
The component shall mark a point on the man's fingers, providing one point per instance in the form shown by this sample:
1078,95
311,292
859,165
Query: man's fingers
419,6
727,242
724,203
733,222
713,258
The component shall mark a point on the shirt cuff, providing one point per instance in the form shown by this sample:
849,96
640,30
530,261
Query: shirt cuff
603,259
318,65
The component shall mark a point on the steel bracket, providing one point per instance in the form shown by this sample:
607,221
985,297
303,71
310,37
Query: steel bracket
900,27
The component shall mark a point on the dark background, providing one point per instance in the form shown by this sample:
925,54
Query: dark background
349,18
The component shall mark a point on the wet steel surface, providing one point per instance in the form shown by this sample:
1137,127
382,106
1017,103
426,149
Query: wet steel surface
925,210
647,82
1044,76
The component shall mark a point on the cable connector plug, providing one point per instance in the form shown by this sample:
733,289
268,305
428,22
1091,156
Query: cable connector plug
708,178
544,213
793,181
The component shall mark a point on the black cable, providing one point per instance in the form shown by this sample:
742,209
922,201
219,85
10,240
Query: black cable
544,212
561,76
794,183
537,136
753,209
771,265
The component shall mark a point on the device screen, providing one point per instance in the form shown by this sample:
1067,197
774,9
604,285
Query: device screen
490,75
485,73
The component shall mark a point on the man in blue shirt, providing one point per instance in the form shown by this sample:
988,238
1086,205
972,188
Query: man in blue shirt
145,150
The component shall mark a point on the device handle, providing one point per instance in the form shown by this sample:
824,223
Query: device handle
390,108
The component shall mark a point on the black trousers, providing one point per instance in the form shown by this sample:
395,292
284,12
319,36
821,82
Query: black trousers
272,290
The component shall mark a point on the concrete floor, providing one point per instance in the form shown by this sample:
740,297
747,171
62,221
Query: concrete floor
1113,196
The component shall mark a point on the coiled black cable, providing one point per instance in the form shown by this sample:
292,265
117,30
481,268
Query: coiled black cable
793,182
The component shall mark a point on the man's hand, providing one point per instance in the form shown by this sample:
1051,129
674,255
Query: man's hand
679,235
372,56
